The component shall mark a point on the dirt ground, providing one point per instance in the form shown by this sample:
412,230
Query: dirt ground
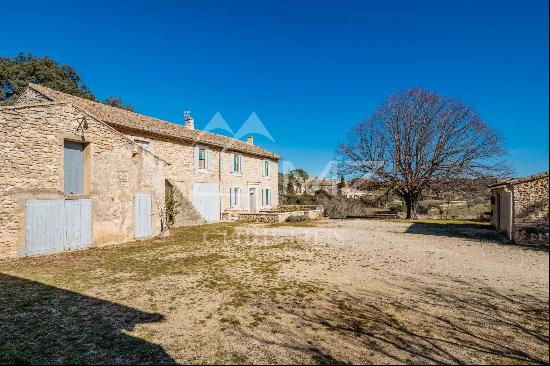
324,292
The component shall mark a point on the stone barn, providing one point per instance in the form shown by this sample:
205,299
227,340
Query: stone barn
68,180
520,208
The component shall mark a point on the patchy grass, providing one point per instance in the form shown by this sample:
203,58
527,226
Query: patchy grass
152,276
220,294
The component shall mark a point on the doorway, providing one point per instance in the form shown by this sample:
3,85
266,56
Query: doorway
252,200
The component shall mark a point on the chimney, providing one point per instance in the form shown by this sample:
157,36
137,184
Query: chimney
250,140
189,121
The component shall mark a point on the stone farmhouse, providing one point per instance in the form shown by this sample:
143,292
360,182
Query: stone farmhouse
520,208
76,173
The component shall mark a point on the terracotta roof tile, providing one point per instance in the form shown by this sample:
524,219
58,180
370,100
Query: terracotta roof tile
122,118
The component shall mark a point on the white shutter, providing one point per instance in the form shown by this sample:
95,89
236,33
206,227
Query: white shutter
263,197
241,197
230,197
196,155
241,165
269,197
231,163
208,159
263,168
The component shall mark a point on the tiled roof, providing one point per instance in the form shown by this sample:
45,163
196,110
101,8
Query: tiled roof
513,181
118,117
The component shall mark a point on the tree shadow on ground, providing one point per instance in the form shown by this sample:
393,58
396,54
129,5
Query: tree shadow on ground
40,324
465,231
459,323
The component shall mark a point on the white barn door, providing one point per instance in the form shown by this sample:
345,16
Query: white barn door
143,215
78,224
206,200
58,225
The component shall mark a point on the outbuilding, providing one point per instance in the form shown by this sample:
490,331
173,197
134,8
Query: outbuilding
520,208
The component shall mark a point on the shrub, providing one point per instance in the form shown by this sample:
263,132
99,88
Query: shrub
172,207
297,218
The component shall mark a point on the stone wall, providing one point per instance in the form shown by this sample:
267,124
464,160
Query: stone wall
275,216
182,174
531,211
31,167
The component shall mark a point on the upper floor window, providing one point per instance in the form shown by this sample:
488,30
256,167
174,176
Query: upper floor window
202,158
237,163
73,167
265,168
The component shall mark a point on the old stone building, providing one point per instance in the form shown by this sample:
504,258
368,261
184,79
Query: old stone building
38,199
520,208
77,173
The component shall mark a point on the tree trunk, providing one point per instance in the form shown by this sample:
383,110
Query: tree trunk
409,202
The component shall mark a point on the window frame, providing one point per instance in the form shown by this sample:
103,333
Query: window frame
266,199
237,164
266,169
235,197
204,157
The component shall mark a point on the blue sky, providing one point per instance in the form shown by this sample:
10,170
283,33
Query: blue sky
310,70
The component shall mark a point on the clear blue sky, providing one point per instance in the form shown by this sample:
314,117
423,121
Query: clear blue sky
310,70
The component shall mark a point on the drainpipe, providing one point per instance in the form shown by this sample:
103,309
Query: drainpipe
220,180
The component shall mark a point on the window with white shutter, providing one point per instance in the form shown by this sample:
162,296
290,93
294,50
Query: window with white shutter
265,168
235,197
236,163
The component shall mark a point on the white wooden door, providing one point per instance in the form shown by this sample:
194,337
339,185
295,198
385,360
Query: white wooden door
58,225
252,200
206,200
78,224
143,215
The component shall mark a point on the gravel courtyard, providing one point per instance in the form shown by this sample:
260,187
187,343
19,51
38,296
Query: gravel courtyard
325,292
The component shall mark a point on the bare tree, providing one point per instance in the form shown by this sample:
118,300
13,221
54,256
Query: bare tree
418,137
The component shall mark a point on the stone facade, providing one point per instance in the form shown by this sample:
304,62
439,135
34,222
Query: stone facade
531,211
31,146
175,144
182,173
520,209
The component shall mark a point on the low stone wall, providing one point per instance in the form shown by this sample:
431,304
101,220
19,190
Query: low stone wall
276,216
293,208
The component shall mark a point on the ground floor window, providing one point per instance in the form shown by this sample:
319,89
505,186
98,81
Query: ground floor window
235,197
266,197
